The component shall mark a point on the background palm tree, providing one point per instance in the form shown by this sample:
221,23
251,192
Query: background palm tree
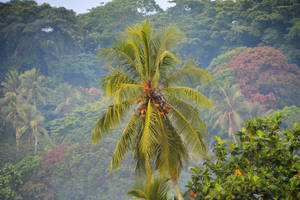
164,125
10,100
30,123
11,82
32,86
230,105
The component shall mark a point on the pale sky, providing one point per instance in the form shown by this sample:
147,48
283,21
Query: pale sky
82,6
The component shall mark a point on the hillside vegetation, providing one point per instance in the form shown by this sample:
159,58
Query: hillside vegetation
51,96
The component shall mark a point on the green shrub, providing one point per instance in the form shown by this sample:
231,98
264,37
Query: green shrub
264,164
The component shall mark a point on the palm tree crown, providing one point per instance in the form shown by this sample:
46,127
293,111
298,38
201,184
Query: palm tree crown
164,125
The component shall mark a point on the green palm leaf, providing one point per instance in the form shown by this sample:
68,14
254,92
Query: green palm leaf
191,114
188,94
111,83
151,131
172,153
193,139
128,92
188,74
126,141
110,119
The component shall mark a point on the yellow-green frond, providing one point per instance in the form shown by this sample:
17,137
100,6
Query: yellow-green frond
189,94
112,83
190,113
110,119
151,131
172,153
126,141
144,33
192,138
189,74
128,92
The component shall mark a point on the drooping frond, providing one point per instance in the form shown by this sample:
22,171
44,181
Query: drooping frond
163,151
191,114
188,74
126,141
128,92
189,94
110,119
111,83
172,160
123,53
193,139
150,138
151,131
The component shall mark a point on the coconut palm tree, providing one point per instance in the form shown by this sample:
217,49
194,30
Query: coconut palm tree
11,100
30,123
156,189
32,87
164,125
11,82
230,106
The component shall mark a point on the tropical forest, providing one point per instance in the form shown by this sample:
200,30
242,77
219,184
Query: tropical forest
199,100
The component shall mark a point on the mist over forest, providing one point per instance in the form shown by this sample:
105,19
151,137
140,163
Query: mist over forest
65,77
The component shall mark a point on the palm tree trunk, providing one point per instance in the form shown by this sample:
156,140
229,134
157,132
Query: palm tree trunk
17,143
230,131
36,140
177,188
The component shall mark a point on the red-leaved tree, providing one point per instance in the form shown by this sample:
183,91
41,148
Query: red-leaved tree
55,155
264,75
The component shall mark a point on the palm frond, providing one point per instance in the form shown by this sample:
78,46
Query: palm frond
124,53
150,137
110,119
192,138
111,83
127,55
11,82
126,141
156,189
172,160
188,74
237,121
189,94
190,113
166,61
138,193
128,92
151,131
144,33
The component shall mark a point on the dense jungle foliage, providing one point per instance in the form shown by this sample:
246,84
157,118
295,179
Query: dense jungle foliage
51,98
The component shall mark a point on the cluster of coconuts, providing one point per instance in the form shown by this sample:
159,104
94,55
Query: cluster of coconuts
156,100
